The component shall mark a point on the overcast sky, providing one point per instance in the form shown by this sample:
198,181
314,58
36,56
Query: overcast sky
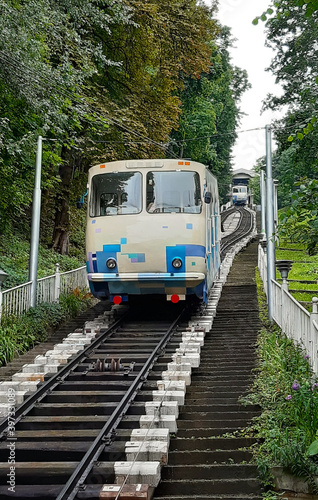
251,54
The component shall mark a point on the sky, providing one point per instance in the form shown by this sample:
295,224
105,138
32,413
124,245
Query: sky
250,53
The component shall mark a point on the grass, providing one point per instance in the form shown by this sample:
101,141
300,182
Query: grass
19,334
290,245
299,255
304,296
304,267
297,285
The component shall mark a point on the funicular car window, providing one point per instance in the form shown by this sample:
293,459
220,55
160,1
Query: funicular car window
173,191
116,193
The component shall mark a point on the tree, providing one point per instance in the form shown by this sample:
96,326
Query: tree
47,57
210,113
280,9
102,80
291,28
300,222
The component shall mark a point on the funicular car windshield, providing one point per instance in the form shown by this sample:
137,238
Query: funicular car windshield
240,189
116,193
173,191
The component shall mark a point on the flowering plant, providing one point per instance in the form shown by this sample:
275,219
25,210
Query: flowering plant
287,393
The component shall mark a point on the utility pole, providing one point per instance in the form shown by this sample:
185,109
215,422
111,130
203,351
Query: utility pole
263,204
35,230
275,187
270,227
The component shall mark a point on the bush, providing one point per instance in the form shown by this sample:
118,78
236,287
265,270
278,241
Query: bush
19,334
14,260
299,222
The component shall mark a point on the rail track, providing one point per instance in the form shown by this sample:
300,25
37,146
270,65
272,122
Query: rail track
69,435
244,227
62,430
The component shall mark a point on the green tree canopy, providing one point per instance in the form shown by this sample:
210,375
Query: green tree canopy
291,29
300,221
104,80
211,114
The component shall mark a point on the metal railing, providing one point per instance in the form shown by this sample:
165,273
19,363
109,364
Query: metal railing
17,300
293,319
229,204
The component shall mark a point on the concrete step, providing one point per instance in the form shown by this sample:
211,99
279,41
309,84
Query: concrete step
210,497
210,385
205,486
207,396
184,444
219,408
208,471
212,416
206,432
221,424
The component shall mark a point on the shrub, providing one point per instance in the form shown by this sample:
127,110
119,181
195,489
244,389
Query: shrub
19,334
287,392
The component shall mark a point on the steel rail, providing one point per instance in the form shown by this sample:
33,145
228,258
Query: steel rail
245,226
58,377
78,477
227,213
227,240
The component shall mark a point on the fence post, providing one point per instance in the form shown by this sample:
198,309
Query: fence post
314,339
3,277
57,283
263,270
283,312
284,266
0,304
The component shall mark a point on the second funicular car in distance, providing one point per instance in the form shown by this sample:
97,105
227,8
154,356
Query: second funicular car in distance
239,194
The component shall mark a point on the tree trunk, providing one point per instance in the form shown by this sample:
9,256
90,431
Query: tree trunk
62,217
61,225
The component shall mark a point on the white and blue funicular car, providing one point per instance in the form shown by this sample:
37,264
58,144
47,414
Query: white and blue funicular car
153,227
239,194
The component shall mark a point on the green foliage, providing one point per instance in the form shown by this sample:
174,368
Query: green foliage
47,57
291,28
15,254
210,113
73,303
287,393
254,183
103,81
304,268
300,221
313,448
281,9
18,335
98,80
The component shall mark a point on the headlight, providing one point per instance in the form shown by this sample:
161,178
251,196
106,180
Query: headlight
177,263
111,263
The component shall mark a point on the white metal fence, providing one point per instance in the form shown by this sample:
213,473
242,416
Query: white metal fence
294,320
17,300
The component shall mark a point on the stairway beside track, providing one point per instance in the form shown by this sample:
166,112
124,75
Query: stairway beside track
209,457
